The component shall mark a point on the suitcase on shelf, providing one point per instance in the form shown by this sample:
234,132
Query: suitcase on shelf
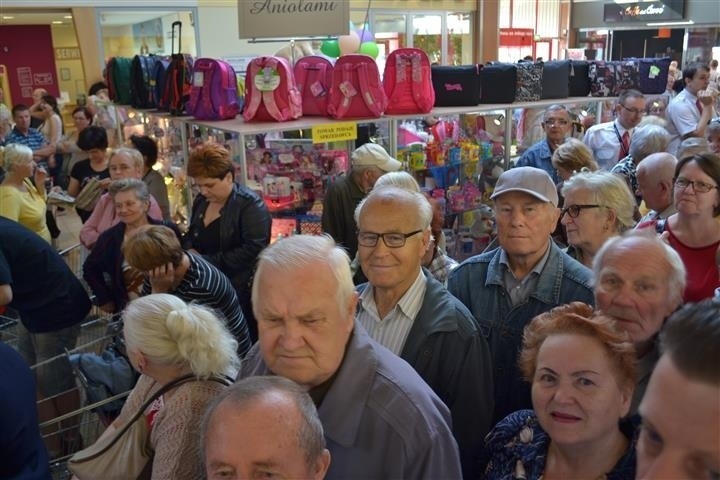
652,74
407,82
498,83
529,82
579,79
456,86
555,81
178,77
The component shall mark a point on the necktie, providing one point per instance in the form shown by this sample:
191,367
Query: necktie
625,149
699,105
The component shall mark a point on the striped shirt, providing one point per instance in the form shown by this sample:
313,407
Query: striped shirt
34,139
392,331
206,285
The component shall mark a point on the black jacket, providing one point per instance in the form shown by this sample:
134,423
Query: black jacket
244,232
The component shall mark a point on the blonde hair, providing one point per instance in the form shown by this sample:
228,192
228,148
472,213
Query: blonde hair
14,154
610,191
132,153
400,179
573,155
170,332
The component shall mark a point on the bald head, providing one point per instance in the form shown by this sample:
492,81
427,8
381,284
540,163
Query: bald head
655,180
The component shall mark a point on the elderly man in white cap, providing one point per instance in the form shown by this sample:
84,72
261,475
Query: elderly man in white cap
525,276
369,162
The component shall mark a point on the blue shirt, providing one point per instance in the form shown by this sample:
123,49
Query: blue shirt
33,139
539,156
518,445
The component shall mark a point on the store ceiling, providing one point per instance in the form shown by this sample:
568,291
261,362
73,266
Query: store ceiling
60,17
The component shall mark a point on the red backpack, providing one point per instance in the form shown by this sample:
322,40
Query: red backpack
270,91
313,75
214,92
408,82
356,90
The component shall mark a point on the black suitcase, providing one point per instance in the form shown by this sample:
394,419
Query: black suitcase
579,79
456,86
498,83
653,74
555,82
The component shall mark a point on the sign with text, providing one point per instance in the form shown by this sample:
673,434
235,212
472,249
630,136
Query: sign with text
334,132
516,37
647,11
293,18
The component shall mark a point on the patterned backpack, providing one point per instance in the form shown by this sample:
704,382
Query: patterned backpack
407,82
270,91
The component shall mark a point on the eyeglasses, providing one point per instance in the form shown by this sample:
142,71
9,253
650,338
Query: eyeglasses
555,121
574,210
698,187
391,240
634,111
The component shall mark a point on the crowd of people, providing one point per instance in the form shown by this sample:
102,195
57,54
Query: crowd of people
583,343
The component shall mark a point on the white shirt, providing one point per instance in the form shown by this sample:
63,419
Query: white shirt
392,331
604,140
683,117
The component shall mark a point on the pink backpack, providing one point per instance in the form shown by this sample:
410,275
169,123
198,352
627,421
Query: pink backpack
213,95
356,90
270,92
408,83
313,75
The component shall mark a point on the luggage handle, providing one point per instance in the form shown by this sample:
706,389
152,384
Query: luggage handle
177,24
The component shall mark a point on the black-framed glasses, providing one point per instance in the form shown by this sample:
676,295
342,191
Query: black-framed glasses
698,187
574,210
634,111
391,239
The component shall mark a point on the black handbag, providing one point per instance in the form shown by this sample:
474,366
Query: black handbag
498,83
555,81
579,79
456,86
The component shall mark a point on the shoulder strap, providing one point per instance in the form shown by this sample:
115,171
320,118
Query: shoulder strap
366,92
269,96
256,97
225,380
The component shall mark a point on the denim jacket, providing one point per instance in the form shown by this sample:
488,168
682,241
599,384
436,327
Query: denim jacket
477,282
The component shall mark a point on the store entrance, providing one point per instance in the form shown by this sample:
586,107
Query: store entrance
648,43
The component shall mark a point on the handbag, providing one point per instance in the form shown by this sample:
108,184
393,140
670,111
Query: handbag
128,453
89,195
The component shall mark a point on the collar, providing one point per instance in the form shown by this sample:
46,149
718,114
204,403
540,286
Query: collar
408,303
621,130
537,269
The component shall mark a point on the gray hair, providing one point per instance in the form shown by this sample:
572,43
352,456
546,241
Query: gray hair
130,185
610,191
132,153
693,146
299,251
15,154
677,277
423,209
648,139
555,108
399,179
250,390
174,333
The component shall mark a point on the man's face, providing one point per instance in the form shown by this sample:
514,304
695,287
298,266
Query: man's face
524,224
22,120
699,82
656,196
632,287
630,112
302,327
557,126
392,269
680,436
273,422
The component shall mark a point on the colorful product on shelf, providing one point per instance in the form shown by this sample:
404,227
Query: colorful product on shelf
270,91
213,95
356,90
407,82
313,75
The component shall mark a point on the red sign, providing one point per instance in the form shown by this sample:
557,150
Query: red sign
516,37
27,52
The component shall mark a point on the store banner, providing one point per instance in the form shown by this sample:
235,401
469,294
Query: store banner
293,18
29,57
516,37
646,11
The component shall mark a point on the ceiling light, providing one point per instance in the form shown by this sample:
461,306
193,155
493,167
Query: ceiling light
668,24
68,16
57,22
7,17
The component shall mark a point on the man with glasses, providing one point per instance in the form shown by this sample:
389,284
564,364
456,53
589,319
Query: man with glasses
556,125
409,312
690,111
610,141
526,276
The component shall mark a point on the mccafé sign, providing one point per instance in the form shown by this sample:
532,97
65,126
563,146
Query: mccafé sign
293,18
652,11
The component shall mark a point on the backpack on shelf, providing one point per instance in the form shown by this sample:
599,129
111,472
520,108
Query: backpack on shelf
178,78
213,95
313,76
141,81
652,74
157,81
270,91
117,78
356,91
555,80
498,83
407,82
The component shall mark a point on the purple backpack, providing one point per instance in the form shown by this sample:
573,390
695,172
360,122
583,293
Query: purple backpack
313,76
213,95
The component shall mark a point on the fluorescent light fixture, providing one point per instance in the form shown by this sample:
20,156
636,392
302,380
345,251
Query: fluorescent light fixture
68,17
7,17
57,22
669,24
601,32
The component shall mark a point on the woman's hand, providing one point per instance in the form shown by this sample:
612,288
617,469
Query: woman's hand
107,307
105,183
162,278
40,176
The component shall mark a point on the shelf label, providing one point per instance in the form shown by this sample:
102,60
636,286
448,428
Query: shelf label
334,132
